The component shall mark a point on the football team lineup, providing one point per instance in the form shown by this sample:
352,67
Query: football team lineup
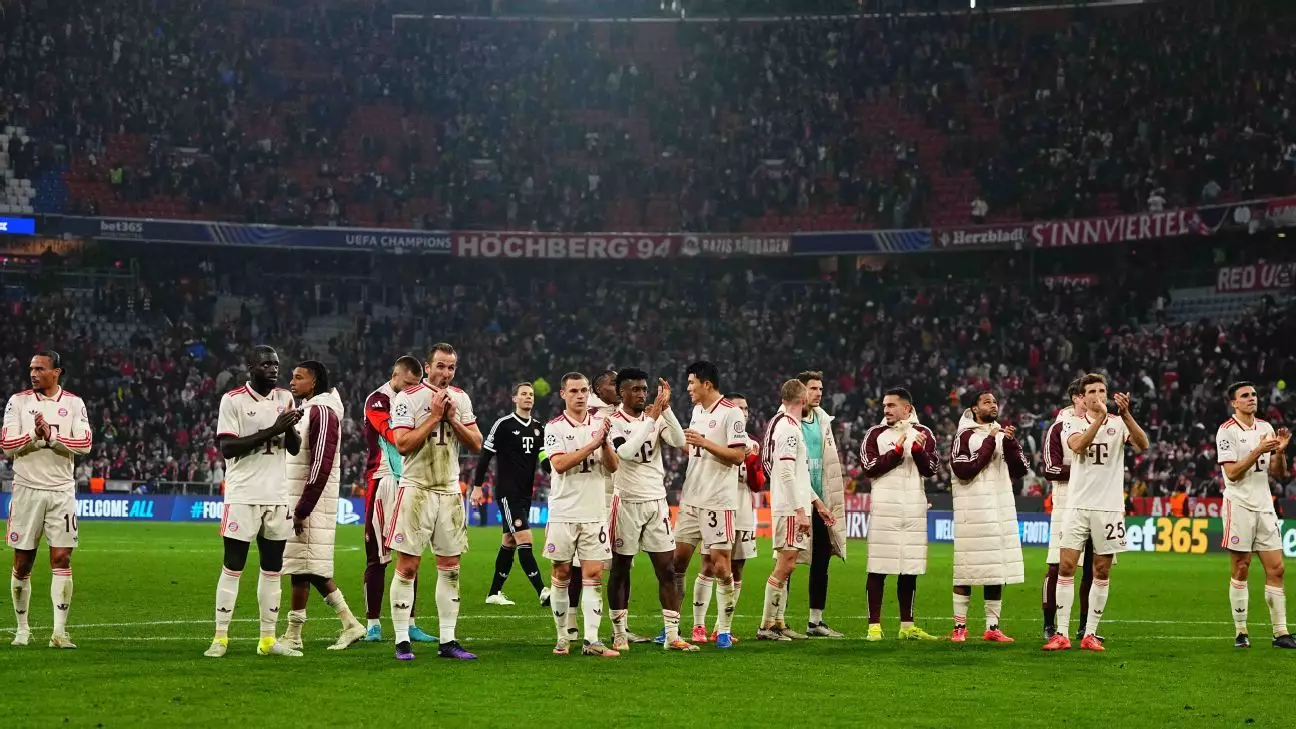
607,504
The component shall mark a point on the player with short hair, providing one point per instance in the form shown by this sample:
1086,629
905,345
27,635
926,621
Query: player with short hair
518,439
1249,452
382,474
751,481
45,429
897,454
256,430
314,482
640,516
1095,496
826,479
581,456
432,421
717,444
1056,467
985,459
787,461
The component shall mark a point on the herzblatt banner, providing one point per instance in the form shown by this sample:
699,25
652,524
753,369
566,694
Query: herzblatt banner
579,246
983,236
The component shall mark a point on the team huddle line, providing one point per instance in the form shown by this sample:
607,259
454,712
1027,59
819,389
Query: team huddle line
608,502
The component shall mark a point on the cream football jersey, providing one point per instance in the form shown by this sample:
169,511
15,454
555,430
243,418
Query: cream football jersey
435,465
1097,475
640,475
787,461
708,482
577,496
1233,442
46,466
260,477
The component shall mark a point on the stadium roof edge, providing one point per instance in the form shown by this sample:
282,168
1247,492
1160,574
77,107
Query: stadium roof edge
1060,5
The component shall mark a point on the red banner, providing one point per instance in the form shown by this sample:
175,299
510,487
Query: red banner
1255,277
736,244
983,236
609,246
1118,229
1199,507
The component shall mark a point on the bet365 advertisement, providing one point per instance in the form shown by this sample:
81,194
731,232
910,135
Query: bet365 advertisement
1165,534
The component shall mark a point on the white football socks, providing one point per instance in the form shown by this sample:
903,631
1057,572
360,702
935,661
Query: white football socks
296,620
773,599
671,621
724,606
402,602
338,602
269,594
561,602
61,597
703,587
961,604
1239,599
20,591
1097,603
447,600
1276,599
993,608
619,620
1065,599
227,587
592,608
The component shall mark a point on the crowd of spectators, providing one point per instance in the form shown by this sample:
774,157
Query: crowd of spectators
153,399
267,113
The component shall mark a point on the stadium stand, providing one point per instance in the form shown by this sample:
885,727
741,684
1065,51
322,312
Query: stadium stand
357,113
926,321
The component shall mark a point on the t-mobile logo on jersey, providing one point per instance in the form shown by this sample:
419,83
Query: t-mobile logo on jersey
528,443
1098,453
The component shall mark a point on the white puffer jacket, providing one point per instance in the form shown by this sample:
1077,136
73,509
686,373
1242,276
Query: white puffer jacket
311,553
987,544
897,532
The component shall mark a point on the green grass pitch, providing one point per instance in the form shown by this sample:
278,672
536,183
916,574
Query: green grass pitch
143,609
